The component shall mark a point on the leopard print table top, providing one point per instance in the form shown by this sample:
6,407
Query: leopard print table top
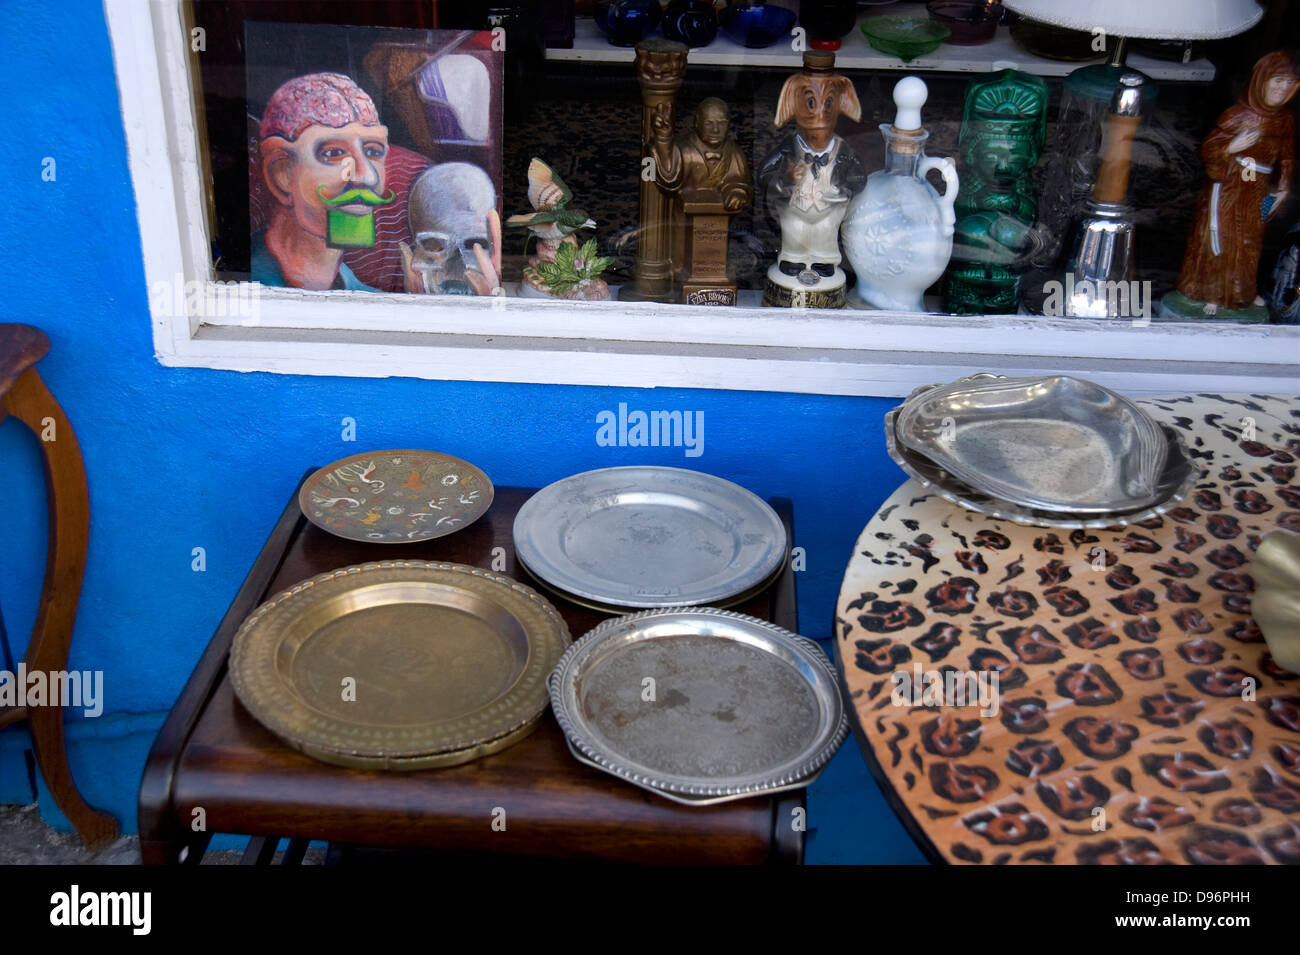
1139,717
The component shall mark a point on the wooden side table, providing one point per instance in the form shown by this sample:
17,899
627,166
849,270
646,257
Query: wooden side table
24,395
212,755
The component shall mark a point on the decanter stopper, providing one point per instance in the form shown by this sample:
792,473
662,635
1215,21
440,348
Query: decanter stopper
910,94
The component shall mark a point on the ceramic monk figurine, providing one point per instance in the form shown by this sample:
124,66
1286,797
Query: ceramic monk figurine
1249,158
708,175
809,181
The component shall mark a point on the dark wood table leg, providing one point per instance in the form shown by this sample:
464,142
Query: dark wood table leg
789,821
260,851
164,835
295,852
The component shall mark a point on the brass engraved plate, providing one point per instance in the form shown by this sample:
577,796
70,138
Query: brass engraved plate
395,497
399,664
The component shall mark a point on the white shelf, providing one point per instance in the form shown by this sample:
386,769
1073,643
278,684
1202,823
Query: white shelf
590,45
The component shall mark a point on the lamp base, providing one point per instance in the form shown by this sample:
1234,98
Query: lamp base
1098,281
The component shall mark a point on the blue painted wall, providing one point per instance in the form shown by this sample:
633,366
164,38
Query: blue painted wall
185,458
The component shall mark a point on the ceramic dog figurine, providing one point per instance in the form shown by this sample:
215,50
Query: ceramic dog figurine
809,181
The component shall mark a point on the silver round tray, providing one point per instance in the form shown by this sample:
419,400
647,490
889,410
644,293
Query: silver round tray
699,703
1178,478
696,800
646,537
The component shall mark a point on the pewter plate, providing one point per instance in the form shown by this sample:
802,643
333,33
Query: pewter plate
399,664
645,537
1052,443
395,497
617,611
699,703
1179,477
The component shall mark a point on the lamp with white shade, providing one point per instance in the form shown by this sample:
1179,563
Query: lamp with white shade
1144,19
1120,20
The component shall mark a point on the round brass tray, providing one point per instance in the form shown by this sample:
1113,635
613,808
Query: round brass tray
399,664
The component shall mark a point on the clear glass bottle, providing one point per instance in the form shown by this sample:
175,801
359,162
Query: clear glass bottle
898,230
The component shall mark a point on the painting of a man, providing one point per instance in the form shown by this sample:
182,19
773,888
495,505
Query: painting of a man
322,150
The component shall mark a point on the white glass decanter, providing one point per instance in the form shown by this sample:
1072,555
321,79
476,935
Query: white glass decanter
898,231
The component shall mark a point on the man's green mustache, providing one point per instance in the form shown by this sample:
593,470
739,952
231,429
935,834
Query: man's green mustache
358,194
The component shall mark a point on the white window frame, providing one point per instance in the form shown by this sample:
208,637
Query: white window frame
362,334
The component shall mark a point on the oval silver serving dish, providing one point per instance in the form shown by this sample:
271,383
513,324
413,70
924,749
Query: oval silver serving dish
1179,477
645,537
699,703
1052,443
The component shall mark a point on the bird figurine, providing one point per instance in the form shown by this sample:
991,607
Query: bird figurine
549,197
559,266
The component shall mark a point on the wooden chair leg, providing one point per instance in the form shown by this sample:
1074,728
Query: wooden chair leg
69,518
45,723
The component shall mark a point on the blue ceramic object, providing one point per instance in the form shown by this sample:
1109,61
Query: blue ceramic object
693,22
627,22
757,25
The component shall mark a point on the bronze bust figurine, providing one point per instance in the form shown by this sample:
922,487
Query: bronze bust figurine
708,176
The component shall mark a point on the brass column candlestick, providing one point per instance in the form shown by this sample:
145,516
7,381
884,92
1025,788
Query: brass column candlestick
660,67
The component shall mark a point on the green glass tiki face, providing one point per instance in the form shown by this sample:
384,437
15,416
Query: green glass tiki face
1003,130
1004,125
999,151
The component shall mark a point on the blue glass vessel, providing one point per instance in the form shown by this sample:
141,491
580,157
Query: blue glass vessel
757,25
627,22
693,22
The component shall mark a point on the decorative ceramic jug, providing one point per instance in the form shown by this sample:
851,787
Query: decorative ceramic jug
898,231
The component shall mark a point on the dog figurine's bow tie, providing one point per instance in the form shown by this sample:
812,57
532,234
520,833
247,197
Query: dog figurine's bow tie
816,162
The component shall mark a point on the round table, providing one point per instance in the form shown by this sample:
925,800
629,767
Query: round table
1131,712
